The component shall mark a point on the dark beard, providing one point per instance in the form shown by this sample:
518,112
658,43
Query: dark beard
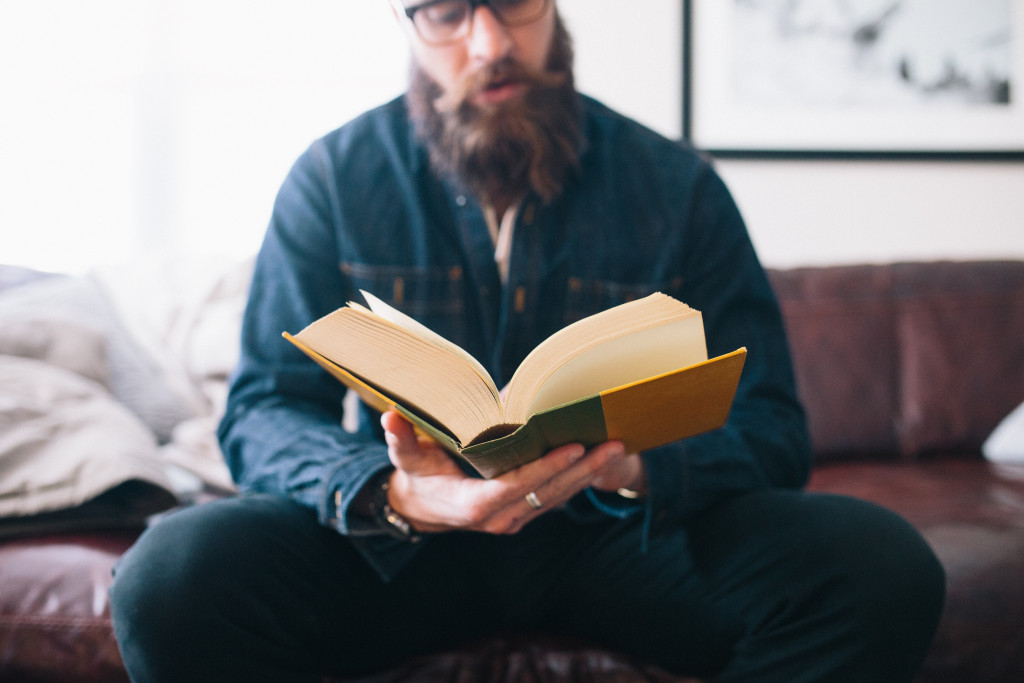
530,142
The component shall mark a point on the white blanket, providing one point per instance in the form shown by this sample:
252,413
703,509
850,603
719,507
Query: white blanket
64,440
115,376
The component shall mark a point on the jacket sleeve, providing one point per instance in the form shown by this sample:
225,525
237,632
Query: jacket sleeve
764,444
282,431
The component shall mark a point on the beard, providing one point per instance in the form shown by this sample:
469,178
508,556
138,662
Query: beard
501,151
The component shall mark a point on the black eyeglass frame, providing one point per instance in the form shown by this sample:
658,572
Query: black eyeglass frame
411,11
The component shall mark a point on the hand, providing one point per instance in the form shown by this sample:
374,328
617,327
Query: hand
434,495
627,473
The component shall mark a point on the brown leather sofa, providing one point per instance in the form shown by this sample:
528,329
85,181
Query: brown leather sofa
905,369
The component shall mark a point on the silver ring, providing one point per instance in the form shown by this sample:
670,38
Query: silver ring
533,501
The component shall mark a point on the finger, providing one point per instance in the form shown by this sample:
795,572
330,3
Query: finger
627,472
581,474
509,488
403,445
520,496
398,432
538,471
552,480
498,505
409,451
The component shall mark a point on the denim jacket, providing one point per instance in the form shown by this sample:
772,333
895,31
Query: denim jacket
362,209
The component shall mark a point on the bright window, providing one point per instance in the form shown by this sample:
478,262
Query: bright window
154,127
132,126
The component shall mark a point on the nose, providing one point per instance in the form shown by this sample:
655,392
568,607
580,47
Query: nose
489,39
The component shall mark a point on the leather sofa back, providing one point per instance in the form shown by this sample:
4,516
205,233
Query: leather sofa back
908,359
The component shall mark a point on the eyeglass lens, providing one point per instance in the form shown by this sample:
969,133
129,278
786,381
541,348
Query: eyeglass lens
447,19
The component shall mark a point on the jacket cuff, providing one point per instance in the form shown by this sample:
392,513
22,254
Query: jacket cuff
386,554
614,505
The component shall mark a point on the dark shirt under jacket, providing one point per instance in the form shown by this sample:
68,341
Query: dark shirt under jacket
361,209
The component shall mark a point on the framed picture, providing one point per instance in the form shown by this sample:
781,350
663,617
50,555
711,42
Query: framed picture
859,78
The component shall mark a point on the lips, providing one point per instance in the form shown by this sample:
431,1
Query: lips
494,84
499,90
498,83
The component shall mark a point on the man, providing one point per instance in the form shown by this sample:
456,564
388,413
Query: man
495,204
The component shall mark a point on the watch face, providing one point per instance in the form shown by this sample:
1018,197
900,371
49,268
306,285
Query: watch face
396,521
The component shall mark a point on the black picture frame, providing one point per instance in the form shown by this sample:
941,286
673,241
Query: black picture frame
969,131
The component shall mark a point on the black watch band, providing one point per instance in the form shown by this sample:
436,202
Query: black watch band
385,516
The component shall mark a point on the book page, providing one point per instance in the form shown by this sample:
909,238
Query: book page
395,316
418,374
630,358
559,364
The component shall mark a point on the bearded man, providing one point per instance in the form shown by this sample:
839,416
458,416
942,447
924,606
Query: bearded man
495,204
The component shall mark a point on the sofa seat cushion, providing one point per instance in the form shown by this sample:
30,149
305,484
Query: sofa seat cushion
972,513
54,612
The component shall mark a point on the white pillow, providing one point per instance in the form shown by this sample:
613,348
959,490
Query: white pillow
69,344
1006,442
136,378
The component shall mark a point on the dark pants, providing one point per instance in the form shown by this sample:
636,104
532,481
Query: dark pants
776,586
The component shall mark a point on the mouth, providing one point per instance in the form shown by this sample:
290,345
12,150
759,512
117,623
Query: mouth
499,91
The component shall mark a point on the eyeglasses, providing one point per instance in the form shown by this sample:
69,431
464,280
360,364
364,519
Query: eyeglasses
439,22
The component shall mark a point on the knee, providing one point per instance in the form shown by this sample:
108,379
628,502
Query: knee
159,581
147,602
893,584
184,578
887,562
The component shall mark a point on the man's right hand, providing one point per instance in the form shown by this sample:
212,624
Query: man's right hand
434,495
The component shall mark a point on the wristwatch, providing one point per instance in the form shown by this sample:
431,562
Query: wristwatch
385,516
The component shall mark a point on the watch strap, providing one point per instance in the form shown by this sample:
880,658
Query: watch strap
386,517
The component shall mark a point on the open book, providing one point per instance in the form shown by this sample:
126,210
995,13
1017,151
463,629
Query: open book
638,372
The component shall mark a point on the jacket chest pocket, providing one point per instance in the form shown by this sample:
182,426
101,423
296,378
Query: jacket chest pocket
587,296
432,295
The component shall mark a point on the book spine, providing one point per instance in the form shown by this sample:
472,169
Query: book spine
577,422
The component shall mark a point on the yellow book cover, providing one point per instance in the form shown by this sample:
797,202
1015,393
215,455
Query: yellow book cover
638,372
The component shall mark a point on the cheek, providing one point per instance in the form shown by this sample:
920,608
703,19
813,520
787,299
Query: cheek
535,45
443,65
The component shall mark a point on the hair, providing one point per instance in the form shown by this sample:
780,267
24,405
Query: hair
500,153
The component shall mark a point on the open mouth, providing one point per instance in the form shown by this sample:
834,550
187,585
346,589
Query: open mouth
500,90
498,83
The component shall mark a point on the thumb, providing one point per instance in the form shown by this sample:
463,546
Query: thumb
408,451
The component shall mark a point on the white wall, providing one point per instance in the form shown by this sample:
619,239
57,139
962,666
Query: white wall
628,55
805,212
167,125
808,213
